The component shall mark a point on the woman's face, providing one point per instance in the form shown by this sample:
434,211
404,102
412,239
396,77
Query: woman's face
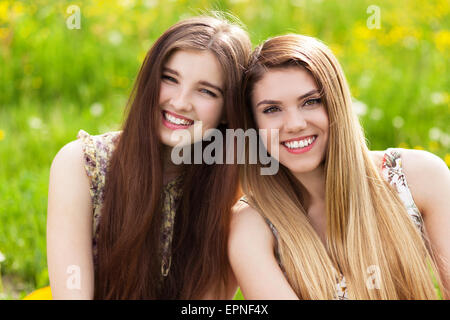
191,94
288,99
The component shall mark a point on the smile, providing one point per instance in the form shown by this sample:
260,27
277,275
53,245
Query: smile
174,121
299,145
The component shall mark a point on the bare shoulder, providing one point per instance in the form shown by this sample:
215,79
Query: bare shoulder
68,178
247,223
421,167
69,155
427,175
249,233
420,159
252,258
377,158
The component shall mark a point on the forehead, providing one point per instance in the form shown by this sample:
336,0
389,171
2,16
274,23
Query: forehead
283,83
196,65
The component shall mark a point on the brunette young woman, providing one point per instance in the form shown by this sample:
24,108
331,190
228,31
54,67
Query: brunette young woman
122,217
337,221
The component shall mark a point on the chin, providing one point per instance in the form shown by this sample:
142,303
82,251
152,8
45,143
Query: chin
165,140
302,167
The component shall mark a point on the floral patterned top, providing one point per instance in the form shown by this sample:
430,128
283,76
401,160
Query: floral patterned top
97,151
391,172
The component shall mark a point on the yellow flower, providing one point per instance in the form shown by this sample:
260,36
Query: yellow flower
4,33
362,32
4,11
40,294
419,148
17,8
433,146
141,56
2,135
337,49
403,145
442,40
447,159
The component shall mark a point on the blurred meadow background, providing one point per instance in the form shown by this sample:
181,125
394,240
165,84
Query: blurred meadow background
55,81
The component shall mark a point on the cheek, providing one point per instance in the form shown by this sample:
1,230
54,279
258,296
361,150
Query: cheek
270,138
323,122
270,126
164,93
209,112
266,122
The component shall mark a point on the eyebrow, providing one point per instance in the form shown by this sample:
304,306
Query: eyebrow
303,96
170,71
202,82
206,83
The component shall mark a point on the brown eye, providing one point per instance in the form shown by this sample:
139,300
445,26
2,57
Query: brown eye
169,78
271,109
313,101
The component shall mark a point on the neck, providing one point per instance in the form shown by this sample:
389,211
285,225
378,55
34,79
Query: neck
314,200
314,184
170,170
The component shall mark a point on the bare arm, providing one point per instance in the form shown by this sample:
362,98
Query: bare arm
429,181
250,250
229,292
69,226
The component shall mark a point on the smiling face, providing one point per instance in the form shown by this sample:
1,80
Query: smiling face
191,91
288,99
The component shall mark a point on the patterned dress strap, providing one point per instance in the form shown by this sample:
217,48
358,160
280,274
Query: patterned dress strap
97,151
393,173
91,163
172,193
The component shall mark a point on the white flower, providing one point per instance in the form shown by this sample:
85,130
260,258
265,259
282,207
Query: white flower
96,109
434,134
35,123
115,37
437,97
126,3
410,42
150,3
365,80
376,114
445,140
398,122
298,3
359,107
237,1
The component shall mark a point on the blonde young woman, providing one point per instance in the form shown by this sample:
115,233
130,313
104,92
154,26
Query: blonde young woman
337,221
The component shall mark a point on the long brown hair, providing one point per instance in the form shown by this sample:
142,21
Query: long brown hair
367,224
128,266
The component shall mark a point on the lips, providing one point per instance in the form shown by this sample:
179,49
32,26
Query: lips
175,121
300,145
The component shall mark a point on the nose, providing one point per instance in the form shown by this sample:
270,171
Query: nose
294,121
181,100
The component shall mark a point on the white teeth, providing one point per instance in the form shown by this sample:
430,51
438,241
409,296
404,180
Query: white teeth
299,144
175,120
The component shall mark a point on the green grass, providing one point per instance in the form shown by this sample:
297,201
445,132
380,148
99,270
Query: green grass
51,77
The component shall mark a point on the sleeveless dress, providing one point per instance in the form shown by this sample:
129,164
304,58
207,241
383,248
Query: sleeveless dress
97,151
391,172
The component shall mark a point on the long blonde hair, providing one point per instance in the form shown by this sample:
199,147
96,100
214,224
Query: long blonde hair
367,224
